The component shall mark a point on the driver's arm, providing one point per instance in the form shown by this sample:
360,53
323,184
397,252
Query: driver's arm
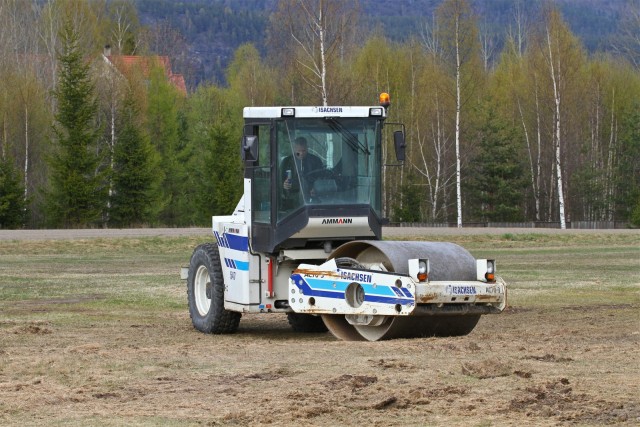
287,164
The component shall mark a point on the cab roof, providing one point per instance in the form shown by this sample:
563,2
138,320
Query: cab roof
313,112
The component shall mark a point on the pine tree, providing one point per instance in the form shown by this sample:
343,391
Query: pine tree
497,179
166,129
215,173
136,191
12,203
225,169
628,170
411,197
78,192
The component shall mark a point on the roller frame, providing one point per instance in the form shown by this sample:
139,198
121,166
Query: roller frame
326,285
322,289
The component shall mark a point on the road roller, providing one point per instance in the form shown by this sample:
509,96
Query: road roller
305,238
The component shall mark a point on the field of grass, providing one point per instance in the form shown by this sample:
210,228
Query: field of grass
592,269
97,331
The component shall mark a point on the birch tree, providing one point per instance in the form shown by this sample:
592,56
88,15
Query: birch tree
249,77
21,82
518,31
124,27
24,119
460,42
627,42
4,99
110,87
316,35
434,161
48,30
432,157
28,93
373,68
610,93
563,57
533,139
516,83
487,46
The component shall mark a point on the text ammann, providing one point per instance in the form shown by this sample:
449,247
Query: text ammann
337,221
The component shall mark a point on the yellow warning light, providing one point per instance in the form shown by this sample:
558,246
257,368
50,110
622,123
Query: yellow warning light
385,100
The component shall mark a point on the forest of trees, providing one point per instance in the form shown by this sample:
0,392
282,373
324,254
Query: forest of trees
542,131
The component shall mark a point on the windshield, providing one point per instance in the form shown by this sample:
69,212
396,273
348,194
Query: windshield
328,161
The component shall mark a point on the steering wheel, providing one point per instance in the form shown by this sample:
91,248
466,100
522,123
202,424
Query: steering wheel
317,175
322,173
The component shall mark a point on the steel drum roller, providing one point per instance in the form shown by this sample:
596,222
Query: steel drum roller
448,261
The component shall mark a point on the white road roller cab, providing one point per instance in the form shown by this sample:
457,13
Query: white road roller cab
305,239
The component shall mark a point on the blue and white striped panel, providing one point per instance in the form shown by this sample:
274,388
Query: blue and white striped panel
232,241
328,289
236,264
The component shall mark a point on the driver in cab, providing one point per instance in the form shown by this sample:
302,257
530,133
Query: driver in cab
300,163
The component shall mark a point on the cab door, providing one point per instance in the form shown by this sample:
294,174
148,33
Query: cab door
261,175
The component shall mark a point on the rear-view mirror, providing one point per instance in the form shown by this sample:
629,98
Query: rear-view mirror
399,144
249,148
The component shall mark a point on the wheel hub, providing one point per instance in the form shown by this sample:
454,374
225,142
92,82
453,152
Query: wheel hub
202,290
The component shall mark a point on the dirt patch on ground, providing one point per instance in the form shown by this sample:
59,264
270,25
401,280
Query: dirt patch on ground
521,368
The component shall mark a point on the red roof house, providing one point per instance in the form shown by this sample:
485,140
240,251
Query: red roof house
127,63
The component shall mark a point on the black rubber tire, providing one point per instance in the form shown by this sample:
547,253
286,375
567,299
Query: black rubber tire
307,323
217,320
455,326
437,326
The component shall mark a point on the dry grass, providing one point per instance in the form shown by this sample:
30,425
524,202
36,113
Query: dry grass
96,332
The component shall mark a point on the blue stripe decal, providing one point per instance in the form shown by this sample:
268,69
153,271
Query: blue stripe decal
407,293
236,265
221,240
236,242
232,241
386,300
324,288
306,289
242,265
324,284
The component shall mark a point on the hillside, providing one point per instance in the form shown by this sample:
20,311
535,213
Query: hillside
213,29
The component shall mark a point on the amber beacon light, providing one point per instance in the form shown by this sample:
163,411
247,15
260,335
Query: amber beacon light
385,101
